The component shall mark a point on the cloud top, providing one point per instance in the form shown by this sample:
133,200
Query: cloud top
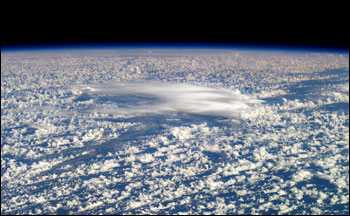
170,98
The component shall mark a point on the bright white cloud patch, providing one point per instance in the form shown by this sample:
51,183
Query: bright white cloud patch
168,98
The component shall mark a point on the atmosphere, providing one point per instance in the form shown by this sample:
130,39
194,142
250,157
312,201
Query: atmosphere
166,128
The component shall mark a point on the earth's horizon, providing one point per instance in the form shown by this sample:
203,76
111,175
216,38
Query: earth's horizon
174,131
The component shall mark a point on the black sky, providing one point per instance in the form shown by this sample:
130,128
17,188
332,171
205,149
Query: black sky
122,26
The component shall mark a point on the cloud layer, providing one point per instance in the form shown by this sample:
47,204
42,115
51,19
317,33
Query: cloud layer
172,98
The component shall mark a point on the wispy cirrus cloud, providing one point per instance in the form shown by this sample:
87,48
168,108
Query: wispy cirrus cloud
170,98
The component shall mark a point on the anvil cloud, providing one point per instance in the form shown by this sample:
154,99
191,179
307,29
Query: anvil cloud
170,98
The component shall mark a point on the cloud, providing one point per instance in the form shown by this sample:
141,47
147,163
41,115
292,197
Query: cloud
169,98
